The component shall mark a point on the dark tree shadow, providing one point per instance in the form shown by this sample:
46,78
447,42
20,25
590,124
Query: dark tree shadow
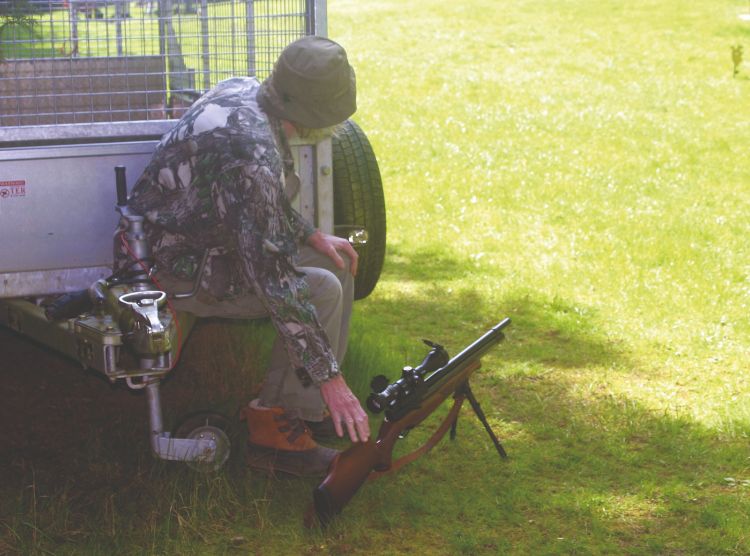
423,265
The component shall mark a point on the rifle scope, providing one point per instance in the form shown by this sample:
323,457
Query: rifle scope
413,381
384,395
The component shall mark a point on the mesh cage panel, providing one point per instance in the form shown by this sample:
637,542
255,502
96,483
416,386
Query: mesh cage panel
89,61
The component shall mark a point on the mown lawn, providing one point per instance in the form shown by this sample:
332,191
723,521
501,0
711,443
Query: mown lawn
581,167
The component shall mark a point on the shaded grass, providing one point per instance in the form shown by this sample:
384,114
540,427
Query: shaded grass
590,471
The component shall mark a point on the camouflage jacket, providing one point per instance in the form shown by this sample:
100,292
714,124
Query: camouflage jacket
216,182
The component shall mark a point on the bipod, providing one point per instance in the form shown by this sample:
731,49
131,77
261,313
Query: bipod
464,391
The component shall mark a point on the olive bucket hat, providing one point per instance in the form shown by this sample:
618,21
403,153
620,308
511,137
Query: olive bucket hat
312,84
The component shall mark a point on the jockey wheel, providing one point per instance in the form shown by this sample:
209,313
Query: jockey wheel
211,426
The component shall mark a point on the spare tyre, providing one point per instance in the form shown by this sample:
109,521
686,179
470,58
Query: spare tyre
359,203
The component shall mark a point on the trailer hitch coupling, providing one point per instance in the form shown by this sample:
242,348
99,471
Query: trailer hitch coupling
145,306
149,335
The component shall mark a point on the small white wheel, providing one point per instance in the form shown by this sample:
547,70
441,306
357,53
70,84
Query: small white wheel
207,426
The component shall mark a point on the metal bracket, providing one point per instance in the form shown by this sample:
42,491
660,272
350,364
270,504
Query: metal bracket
145,306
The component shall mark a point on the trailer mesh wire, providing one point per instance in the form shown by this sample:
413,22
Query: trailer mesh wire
87,61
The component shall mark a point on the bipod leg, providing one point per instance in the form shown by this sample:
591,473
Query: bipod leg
454,424
466,391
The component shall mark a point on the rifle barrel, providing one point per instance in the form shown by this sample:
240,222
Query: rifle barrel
474,351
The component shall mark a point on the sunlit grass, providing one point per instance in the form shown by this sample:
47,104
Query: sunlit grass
599,161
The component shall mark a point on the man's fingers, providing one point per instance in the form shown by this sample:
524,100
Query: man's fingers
352,430
353,257
363,429
331,245
360,425
337,260
337,426
345,247
357,426
346,411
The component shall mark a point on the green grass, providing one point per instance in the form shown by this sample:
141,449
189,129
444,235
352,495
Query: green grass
580,166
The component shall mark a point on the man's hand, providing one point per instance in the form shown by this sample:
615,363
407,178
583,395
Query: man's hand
345,409
331,245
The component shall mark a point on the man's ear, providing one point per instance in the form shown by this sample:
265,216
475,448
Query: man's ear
290,130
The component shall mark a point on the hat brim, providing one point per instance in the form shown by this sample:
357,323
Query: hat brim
311,112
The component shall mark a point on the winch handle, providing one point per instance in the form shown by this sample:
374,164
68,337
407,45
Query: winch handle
121,185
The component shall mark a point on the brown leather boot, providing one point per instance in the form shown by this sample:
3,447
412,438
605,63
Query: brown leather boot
280,442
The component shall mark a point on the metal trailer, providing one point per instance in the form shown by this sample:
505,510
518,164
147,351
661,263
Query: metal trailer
90,85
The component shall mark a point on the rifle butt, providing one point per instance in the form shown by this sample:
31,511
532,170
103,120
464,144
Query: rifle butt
326,507
347,473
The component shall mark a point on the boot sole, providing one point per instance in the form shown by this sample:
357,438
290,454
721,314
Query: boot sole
307,463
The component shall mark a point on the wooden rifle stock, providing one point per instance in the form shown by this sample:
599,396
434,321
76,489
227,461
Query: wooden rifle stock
368,460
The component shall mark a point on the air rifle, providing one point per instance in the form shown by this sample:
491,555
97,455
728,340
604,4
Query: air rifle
406,402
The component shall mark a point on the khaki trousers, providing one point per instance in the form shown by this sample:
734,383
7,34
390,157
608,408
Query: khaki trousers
332,295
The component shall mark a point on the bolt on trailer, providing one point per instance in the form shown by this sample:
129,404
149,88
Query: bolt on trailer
87,88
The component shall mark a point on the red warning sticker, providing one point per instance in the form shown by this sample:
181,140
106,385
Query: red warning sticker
12,188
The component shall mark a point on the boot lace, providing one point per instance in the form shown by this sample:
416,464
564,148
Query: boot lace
291,423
